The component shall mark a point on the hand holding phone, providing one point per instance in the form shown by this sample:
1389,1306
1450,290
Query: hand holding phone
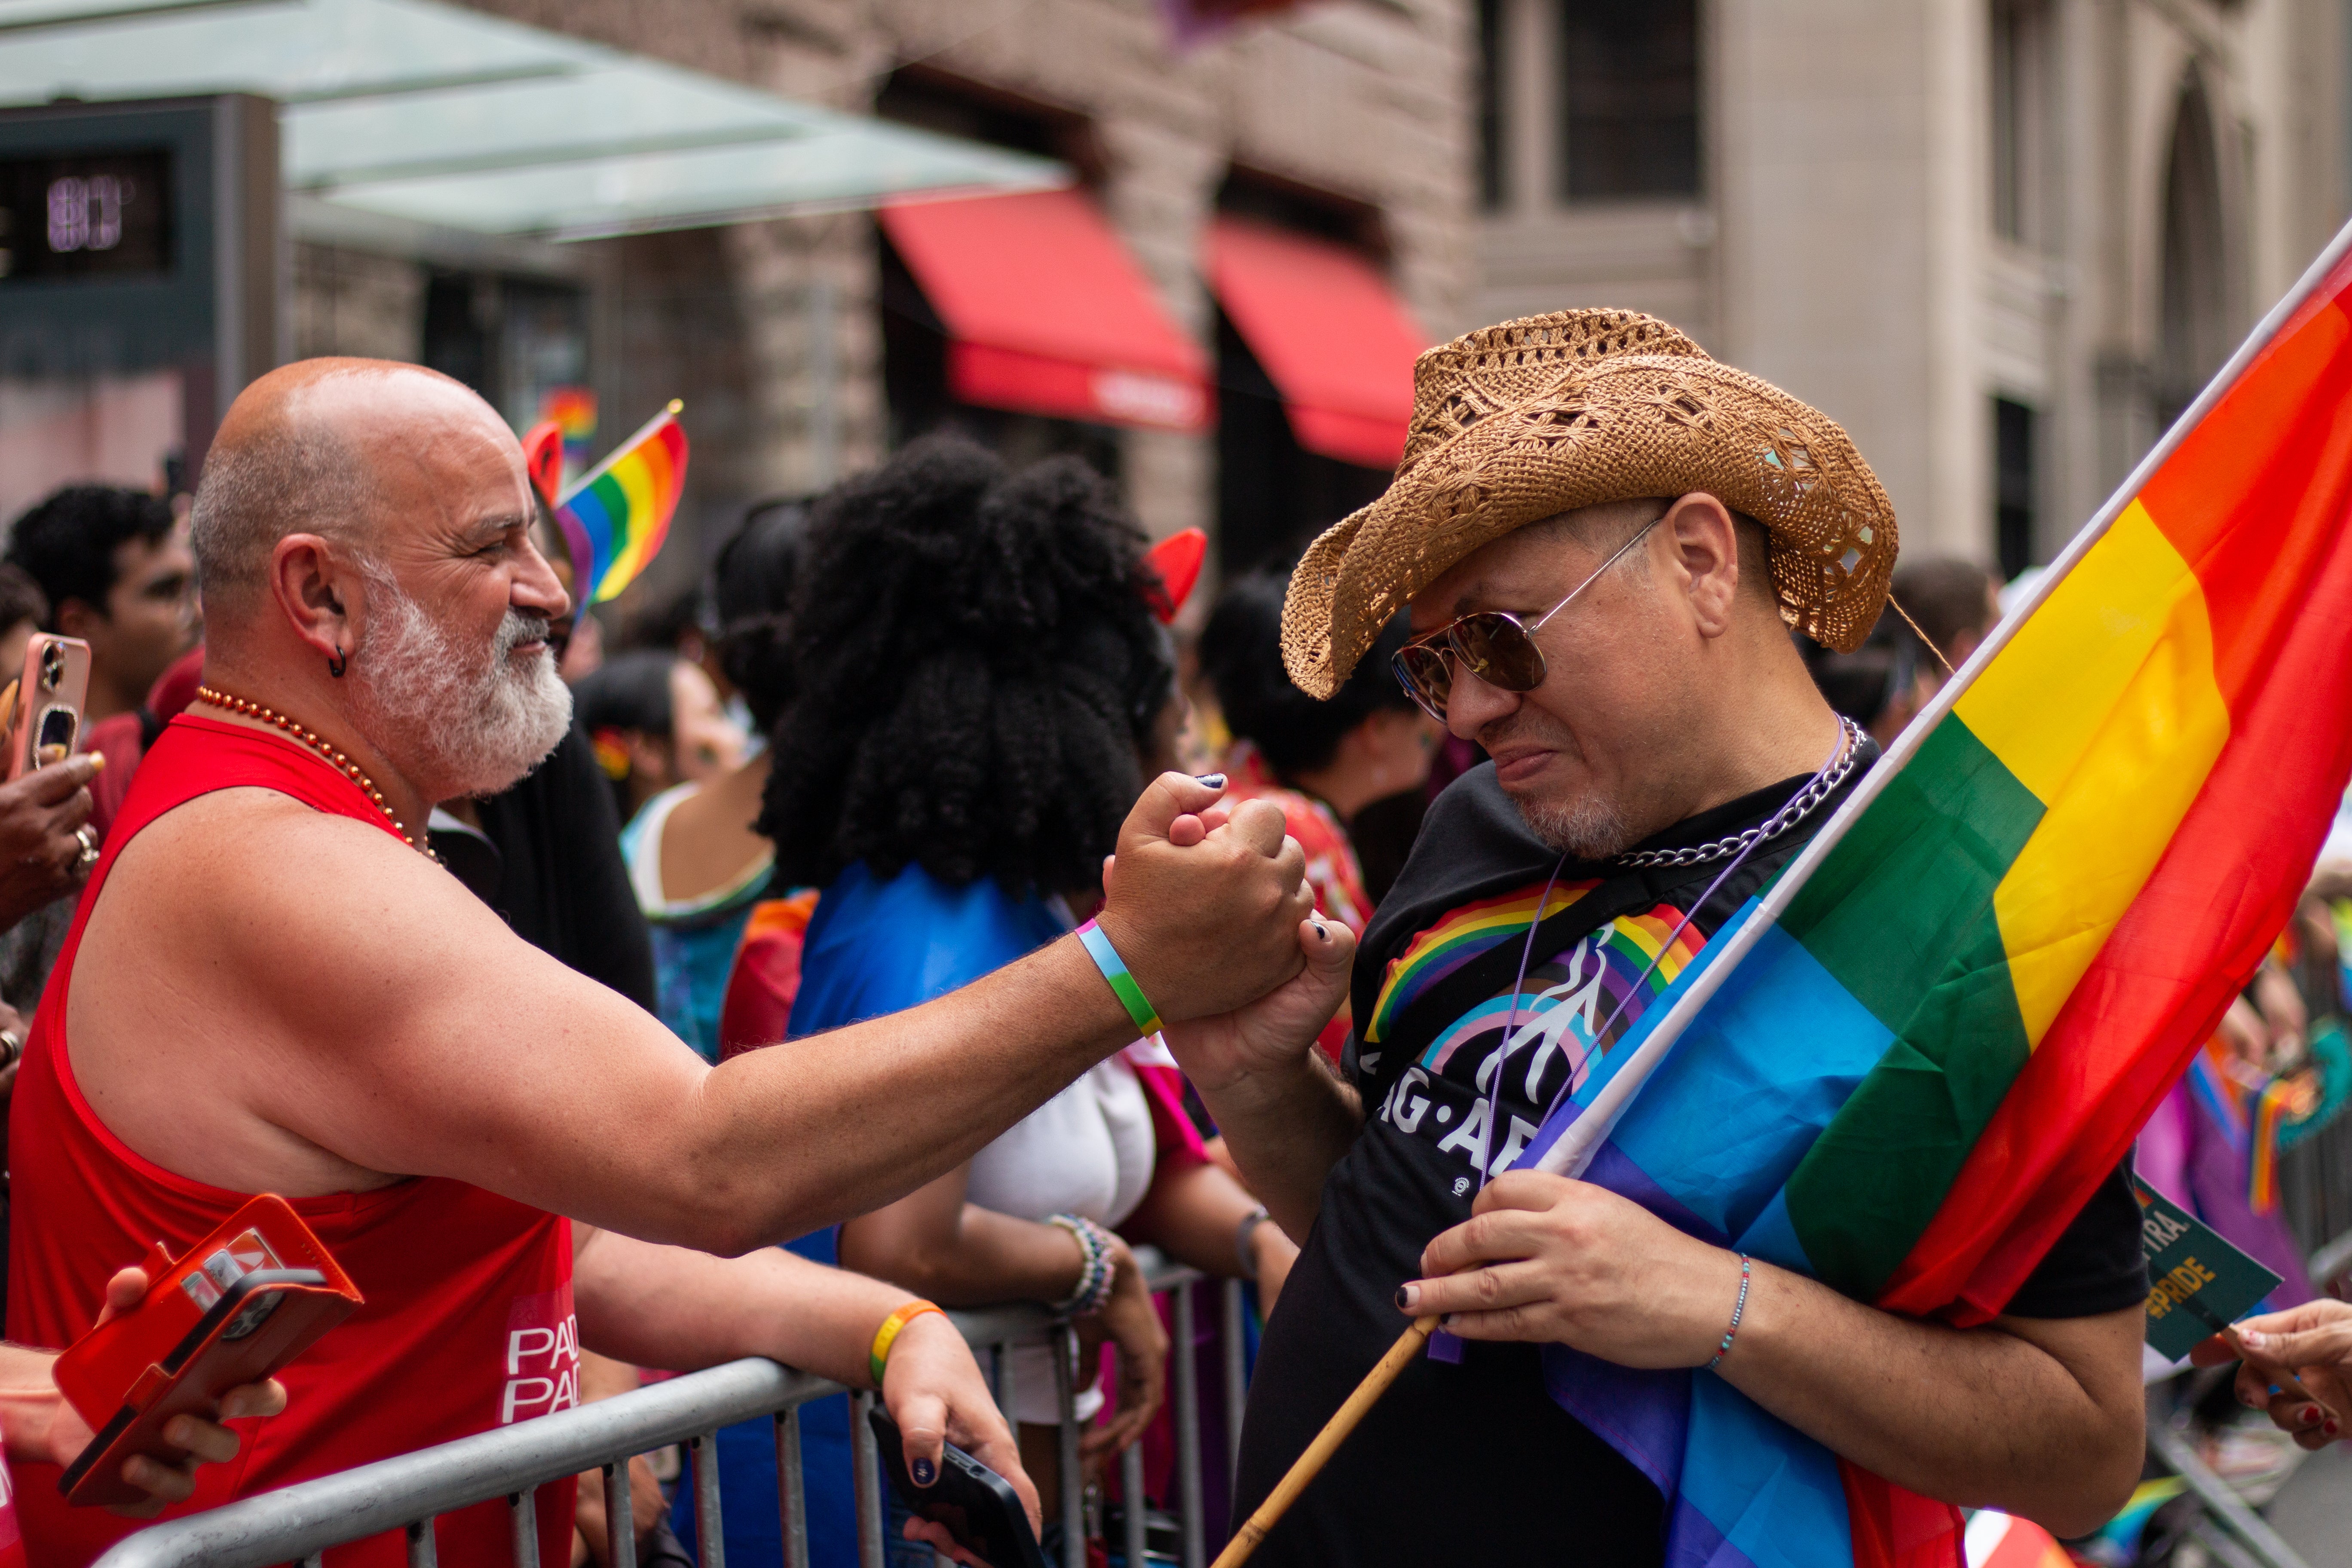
51,695
241,1304
976,1505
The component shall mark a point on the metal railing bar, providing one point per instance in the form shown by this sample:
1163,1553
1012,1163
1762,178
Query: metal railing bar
995,1325
710,1522
1001,1384
1236,1375
1188,1434
2330,1261
2222,1504
2217,1541
285,1525
791,1497
866,1479
1070,1485
1131,1491
523,1524
407,1492
620,1515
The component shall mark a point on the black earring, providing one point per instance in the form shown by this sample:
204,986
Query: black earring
336,665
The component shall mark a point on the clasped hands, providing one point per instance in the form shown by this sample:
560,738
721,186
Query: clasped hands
1554,1261
1208,904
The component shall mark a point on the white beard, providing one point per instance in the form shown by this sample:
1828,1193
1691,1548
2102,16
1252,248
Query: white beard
455,722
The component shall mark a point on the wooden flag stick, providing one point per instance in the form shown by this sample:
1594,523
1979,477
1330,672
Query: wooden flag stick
1327,1443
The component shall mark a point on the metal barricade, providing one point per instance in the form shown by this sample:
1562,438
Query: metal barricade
407,1493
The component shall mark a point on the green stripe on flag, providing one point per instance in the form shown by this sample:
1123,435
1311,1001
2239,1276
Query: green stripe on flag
1901,914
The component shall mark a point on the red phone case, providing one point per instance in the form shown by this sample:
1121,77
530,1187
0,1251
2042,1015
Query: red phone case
244,1303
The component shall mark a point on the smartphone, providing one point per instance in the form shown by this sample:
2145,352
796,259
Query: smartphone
50,696
978,1507
243,1302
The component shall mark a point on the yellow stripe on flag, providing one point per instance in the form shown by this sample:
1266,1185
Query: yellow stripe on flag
2104,705
637,484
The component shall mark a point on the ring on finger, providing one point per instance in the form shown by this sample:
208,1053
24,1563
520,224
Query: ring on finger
12,1046
88,841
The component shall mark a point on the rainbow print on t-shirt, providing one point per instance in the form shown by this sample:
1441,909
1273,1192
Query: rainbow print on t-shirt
1581,1000
1464,934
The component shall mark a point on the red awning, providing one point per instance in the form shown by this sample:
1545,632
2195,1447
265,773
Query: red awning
1329,331
1047,314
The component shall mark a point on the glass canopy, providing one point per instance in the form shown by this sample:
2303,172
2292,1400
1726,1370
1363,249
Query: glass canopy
438,115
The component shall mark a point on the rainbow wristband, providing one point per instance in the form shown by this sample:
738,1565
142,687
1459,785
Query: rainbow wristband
1114,969
877,1359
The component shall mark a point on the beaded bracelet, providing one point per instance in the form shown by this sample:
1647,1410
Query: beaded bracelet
1096,1275
1739,1308
1122,984
877,1357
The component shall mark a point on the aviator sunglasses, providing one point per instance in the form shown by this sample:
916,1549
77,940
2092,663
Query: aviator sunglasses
1493,645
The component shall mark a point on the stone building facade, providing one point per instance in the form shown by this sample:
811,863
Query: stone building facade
774,331
2004,241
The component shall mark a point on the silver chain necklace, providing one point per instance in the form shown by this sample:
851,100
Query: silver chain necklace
1801,805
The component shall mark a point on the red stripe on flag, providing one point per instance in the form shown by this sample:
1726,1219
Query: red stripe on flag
2256,500
1893,1527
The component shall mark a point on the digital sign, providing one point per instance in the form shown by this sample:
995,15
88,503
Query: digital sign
95,214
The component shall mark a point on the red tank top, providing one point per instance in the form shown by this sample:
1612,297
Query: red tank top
468,1321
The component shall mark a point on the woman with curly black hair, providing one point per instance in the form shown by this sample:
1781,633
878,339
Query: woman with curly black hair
984,687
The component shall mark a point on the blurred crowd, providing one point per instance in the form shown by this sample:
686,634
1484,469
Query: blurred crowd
725,837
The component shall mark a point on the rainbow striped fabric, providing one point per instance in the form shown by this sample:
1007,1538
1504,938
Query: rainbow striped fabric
1905,1068
616,518
1463,935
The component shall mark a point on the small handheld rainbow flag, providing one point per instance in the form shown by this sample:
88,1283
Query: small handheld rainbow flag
616,518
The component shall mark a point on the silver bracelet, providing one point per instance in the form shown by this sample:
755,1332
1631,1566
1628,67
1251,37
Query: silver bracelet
1739,1308
1242,1237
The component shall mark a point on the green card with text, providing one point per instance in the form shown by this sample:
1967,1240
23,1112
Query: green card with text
2198,1283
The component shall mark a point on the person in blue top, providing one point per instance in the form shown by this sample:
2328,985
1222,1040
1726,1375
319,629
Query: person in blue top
982,685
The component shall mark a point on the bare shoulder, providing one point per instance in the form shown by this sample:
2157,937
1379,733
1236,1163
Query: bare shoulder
249,885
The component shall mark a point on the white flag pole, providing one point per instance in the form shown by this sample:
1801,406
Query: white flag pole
1574,1151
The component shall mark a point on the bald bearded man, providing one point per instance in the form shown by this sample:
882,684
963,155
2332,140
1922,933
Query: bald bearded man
270,987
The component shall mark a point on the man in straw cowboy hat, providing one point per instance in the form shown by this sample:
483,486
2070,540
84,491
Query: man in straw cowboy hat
1603,537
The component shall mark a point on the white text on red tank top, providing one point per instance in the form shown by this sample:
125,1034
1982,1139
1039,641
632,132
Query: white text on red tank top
542,1356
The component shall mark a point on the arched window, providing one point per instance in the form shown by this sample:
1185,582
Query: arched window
2196,322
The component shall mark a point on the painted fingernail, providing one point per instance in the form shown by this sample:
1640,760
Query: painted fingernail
1322,932
2308,1415
2253,1340
926,1472
2329,1428
1407,1296
1214,781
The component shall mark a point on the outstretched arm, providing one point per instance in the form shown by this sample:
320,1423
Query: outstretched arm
669,1307
386,1018
2041,1418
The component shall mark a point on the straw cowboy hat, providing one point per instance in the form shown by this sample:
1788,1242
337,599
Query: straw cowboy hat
1524,421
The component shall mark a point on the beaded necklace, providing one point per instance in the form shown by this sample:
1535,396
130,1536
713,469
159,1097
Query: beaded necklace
317,743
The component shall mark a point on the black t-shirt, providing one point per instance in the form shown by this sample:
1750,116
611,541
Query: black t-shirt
1472,1462
557,875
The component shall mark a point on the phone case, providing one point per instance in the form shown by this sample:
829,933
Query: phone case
242,1304
978,1507
51,695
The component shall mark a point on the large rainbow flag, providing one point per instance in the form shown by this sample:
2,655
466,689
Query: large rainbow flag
616,518
1904,1067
